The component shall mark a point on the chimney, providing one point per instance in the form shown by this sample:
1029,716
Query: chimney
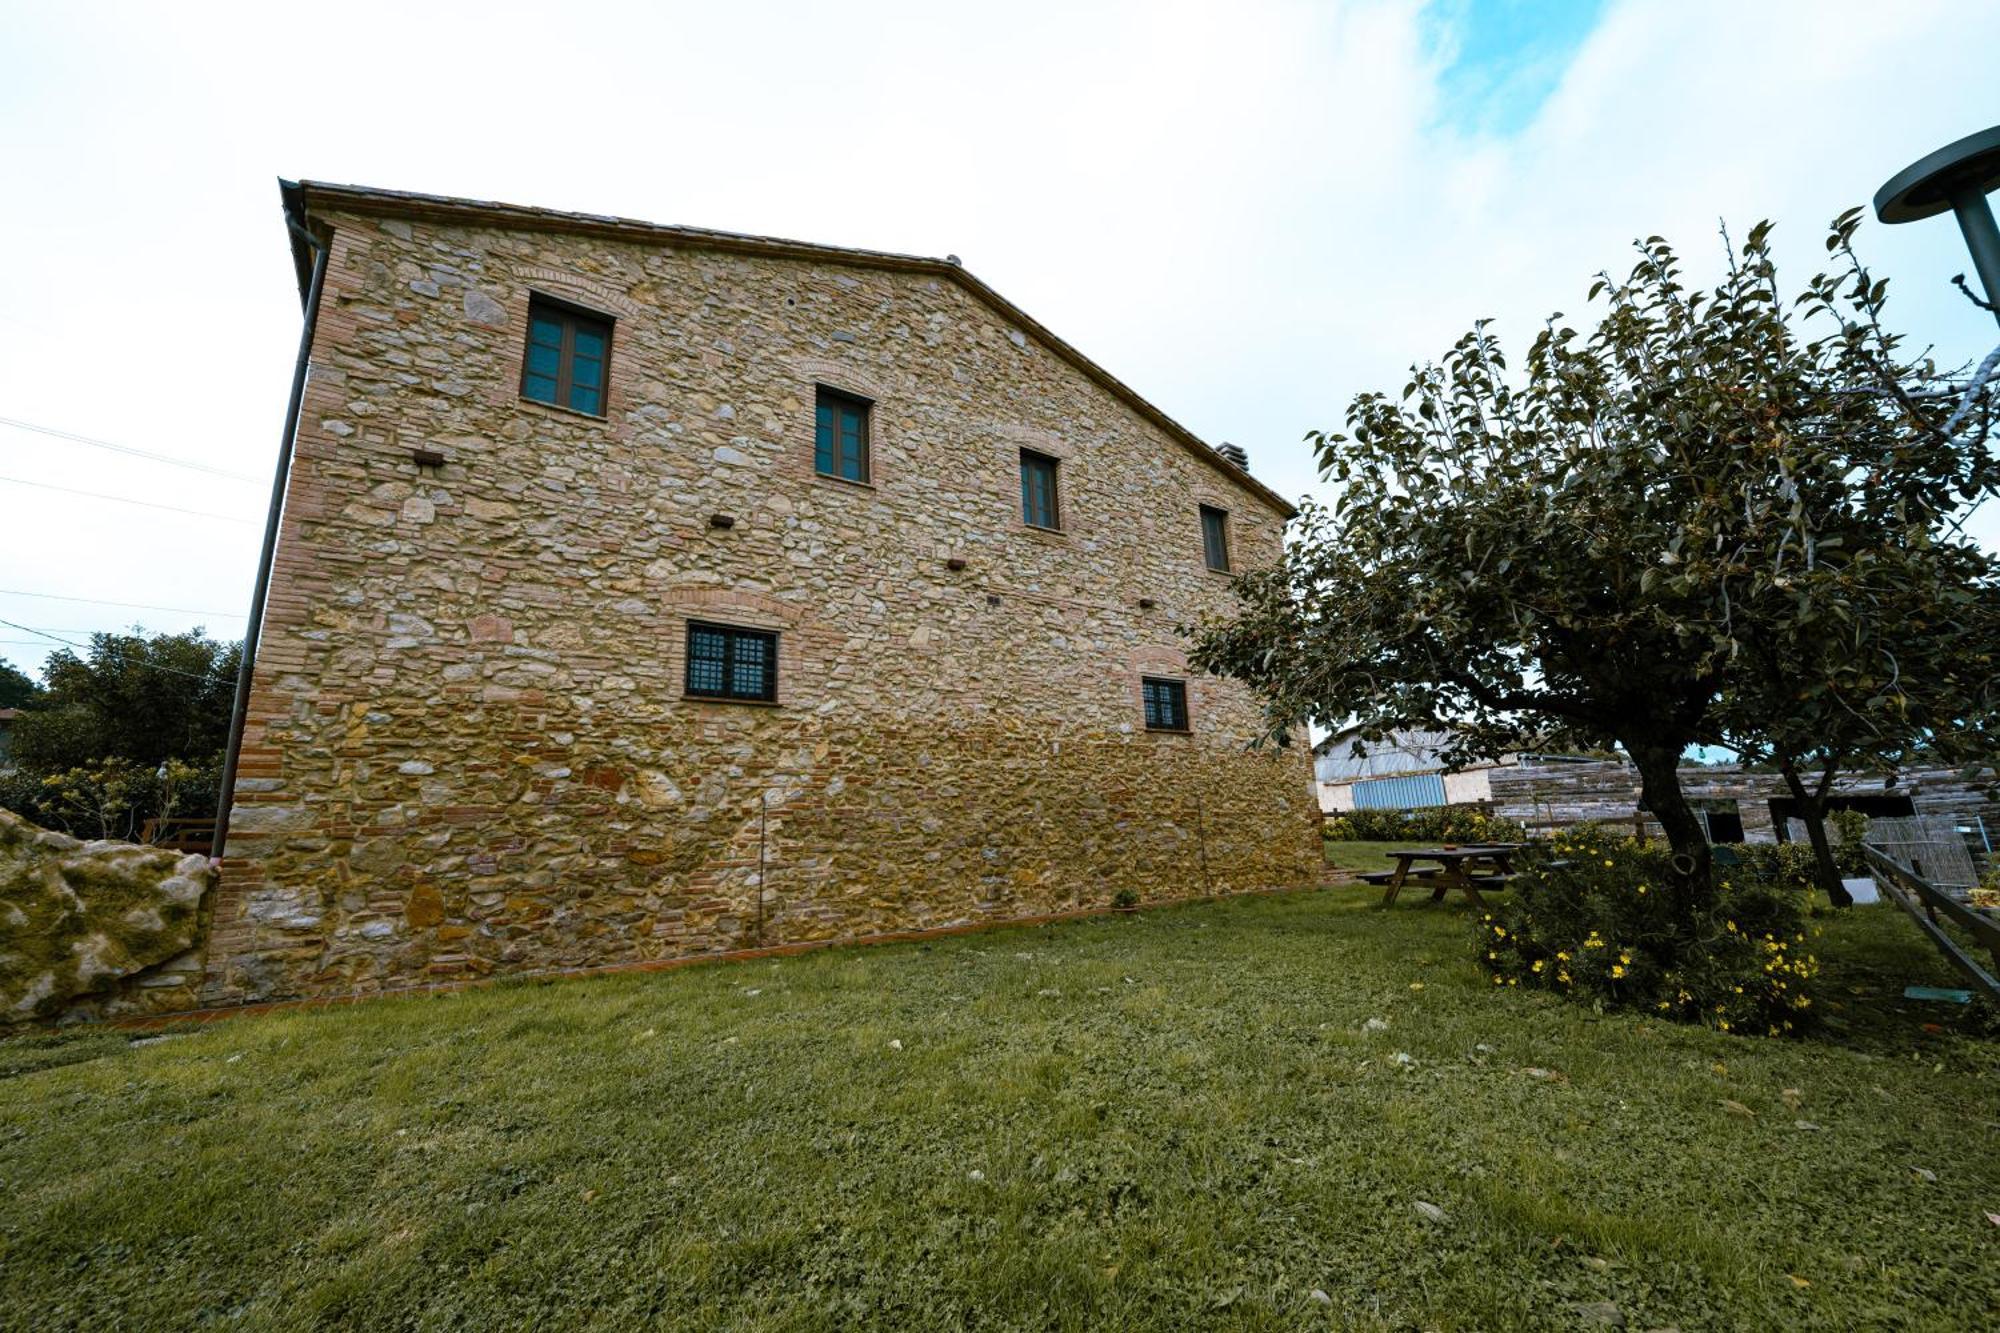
1234,453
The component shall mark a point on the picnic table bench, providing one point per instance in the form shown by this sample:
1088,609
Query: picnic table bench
1454,868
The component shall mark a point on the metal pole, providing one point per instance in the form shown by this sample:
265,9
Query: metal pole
240,709
1982,237
1201,841
763,811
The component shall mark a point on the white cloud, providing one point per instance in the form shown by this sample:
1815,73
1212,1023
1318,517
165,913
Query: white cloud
1249,212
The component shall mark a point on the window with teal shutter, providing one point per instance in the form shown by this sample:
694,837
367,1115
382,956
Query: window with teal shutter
1039,506
1215,537
840,435
569,355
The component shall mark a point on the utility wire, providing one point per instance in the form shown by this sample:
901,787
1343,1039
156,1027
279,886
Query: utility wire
148,504
150,666
100,601
126,449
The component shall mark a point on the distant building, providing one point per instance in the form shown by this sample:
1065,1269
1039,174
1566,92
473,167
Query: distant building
1403,772
1550,791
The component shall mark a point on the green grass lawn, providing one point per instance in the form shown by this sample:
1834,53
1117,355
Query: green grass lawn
1176,1120
1361,857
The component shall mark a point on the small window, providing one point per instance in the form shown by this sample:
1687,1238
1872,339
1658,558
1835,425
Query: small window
1166,704
568,355
1215,537
1038,490
724,662
840,434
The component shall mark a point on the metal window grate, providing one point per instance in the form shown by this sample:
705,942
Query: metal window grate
1165,703
725,662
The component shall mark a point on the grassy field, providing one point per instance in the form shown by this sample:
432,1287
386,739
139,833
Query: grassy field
1361,857
1179,1120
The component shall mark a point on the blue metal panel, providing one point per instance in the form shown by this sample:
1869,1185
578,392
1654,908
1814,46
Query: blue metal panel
1399,793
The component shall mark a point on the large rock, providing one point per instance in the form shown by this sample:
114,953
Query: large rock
79,918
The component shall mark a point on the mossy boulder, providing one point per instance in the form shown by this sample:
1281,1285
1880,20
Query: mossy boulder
78,918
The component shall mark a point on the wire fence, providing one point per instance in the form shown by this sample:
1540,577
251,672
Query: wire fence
1932,847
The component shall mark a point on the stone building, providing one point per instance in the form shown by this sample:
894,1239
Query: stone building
644,591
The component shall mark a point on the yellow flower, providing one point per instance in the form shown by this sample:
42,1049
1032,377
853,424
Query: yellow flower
1722,1023
1501,931
1607,865
1642,888
1562,957
1538,965
1624,957
1617,970
1732,927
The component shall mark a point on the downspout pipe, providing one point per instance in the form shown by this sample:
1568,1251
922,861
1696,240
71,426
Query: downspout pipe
239,711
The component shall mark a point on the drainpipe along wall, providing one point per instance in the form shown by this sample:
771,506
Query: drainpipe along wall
320,248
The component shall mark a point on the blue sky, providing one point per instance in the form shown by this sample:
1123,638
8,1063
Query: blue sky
1249,212
1502,58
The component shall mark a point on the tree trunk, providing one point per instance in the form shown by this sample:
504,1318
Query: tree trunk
1812,812
1659,765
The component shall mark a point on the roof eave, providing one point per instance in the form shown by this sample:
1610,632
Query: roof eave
299,196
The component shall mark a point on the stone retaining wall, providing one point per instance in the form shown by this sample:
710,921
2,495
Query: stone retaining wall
95,929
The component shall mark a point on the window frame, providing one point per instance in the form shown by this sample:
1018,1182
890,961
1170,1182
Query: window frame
571,317
1036,458
826,395
1216,538
1180,697
731,634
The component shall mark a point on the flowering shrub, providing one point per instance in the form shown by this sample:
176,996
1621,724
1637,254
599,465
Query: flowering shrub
1594,919
1850,831
111,798
1787,865
1444,823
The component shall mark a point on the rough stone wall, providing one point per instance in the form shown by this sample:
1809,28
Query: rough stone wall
468,749
95,929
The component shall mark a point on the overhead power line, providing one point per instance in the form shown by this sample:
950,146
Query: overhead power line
102,601
120,499
150,666
94,443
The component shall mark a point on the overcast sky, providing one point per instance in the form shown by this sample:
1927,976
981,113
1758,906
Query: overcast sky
1248,211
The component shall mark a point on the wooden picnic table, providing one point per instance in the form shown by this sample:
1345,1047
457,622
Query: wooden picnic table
1454,869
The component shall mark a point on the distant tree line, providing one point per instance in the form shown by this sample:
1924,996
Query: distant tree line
130,729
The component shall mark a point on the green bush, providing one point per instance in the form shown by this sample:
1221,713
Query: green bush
112,798
1443,823
1850,830
1594,920
1785,865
